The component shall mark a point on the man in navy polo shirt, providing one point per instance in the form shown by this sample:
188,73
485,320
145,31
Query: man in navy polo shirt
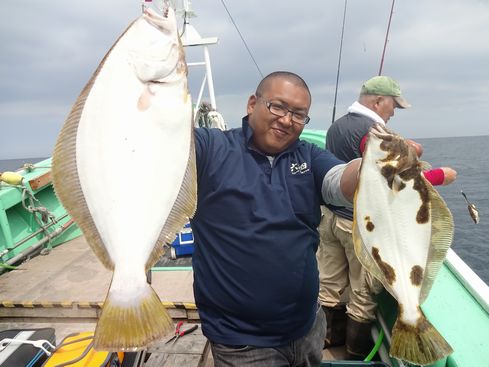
259,194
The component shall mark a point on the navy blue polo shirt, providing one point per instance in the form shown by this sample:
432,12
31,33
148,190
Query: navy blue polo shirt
255,230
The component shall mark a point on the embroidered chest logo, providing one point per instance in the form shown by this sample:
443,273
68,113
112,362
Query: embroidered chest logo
296,168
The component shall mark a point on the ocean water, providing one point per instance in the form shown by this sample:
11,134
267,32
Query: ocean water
469,157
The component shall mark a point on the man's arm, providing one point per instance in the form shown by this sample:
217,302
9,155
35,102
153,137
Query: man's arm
349,179
340,183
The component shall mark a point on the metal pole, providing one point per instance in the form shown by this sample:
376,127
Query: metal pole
210,81
37,245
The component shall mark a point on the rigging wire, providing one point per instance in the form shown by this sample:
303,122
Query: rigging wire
386,38
339,62
242,38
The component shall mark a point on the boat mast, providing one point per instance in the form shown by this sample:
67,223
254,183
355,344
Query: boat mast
191,38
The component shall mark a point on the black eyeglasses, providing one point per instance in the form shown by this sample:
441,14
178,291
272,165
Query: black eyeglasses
281,111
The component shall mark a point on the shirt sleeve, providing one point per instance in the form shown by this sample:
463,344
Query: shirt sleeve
435,176
362,143
331,188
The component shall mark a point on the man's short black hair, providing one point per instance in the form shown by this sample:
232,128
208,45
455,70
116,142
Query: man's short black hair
291,77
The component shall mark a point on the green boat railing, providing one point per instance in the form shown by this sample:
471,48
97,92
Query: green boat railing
31,217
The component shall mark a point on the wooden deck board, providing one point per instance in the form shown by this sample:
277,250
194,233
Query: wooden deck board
191,350
72,273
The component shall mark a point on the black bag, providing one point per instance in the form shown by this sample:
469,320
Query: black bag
13,353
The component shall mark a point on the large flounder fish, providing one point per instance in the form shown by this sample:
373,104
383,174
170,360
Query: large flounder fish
402,232
124,168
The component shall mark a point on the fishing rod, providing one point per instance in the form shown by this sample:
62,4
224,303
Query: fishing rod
339,62
341,49
386,38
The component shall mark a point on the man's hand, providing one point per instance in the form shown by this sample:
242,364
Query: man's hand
450,175
417,147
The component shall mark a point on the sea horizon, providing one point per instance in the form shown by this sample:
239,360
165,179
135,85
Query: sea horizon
467,155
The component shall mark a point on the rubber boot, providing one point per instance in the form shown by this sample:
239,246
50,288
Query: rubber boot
336,325
358,339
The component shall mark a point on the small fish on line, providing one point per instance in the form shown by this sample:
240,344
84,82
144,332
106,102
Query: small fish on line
474,213
134,115
402,230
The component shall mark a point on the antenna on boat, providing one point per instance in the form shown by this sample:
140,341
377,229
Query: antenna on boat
386,38
339,62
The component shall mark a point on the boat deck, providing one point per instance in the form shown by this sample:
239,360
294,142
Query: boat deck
66,289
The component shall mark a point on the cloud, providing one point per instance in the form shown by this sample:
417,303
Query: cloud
437,50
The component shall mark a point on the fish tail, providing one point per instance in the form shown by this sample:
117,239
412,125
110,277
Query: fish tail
128,323
421,344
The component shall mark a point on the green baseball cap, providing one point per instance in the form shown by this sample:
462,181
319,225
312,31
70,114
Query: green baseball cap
385,86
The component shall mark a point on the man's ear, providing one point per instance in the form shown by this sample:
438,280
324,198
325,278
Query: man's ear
379,100
251,104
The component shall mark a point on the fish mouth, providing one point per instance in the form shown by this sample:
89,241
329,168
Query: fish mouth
157,20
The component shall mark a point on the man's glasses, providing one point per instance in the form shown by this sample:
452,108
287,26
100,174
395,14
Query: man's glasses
281,111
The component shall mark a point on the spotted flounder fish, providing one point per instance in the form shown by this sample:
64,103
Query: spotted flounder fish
402,232
124,168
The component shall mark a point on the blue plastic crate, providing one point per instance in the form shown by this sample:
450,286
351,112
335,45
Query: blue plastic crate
184,243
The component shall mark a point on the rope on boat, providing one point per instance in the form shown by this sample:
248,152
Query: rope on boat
208,117
41,214
46,215
28,167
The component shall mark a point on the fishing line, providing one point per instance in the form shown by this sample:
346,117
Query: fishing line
242,38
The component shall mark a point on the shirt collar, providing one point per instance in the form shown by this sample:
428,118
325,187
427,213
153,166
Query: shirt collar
360,109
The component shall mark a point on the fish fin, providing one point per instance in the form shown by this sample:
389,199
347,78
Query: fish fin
442,229
425,166
183,208
66,180
421,344
65,173
131,326
474,213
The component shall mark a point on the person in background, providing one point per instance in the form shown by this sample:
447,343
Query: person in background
260,189
338,264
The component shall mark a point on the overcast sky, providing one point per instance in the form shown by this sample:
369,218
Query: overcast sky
438,50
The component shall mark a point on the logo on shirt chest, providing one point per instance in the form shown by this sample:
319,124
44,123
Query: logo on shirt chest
301,168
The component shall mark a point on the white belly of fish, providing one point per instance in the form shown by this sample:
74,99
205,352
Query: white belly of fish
396,232
141,152
402,231
124,168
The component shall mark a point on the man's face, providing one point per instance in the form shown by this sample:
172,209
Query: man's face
273,134
385,107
